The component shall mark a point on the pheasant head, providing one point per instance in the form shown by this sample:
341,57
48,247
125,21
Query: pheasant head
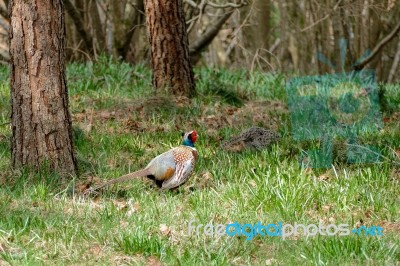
189,138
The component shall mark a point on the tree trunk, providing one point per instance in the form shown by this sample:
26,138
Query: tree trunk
96,27
172,68
41,124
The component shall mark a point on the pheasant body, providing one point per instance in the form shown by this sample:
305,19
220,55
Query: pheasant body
172,168
169,169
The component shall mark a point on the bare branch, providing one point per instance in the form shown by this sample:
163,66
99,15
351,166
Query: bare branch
134,23
275,45
322,19
201,43
190,3
232,5
378,48
76,18
201,7
191,23
204,3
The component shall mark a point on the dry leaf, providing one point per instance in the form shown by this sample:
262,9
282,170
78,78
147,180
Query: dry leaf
165,230
326,208
123,224
397,151
83,187
269,262
253,183
95,250
206,178
359,224
390,226
323,177
121,205
107,114
368,213
133,207
4,263
153,261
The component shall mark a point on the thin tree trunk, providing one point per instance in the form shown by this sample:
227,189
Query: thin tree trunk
131,25
96,27
172,68
41,124
78,20
395,64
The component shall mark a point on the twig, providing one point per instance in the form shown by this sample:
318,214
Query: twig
322,19
76,49
191,23
204,3
76,18
255,59
275,45
201,7
134,23
241,4
191,3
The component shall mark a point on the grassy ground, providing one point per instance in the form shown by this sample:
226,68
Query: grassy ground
119,126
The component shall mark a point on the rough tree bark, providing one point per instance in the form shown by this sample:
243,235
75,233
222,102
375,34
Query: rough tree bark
169,49
41,124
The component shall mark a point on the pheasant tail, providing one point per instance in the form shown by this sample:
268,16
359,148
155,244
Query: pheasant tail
127,177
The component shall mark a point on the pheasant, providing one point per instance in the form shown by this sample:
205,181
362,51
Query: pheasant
169,169
254,137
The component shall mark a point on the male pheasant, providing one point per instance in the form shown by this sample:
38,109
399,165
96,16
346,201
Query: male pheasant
169,169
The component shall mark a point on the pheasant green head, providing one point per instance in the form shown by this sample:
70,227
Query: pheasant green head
189,138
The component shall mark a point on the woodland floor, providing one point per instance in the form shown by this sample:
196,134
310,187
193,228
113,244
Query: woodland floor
119,125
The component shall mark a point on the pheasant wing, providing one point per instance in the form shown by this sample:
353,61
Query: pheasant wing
182,172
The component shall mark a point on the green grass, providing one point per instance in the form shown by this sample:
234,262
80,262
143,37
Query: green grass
119,126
